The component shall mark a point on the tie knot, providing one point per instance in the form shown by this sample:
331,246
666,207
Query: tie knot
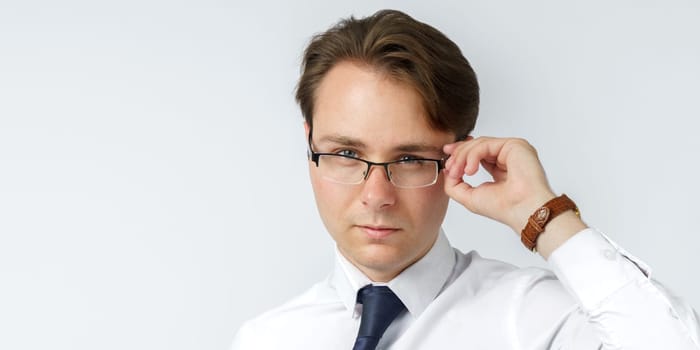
371,293
380,306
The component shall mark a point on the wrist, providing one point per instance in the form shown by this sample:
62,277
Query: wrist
558,231
525,209
550,225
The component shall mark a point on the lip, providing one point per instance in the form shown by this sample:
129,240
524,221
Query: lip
377,232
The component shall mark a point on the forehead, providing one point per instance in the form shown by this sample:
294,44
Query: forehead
357,102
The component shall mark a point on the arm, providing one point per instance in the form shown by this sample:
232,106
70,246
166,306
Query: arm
624,306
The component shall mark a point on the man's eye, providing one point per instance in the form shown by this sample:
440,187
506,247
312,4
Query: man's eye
347,152
409,158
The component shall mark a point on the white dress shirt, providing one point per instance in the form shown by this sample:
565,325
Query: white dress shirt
598,296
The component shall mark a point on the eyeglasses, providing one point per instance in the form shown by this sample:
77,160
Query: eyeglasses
349,170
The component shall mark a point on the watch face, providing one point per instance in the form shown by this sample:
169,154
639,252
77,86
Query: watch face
542,215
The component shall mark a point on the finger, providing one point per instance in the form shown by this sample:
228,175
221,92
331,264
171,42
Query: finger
458,157
468,155
471,197
450,147
488,165
458,190
494,170
486,150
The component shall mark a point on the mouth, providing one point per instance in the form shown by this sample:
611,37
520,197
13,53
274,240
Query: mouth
377,232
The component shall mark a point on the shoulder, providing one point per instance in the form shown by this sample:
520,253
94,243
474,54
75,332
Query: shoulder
483,276
308,308
521,301
320,295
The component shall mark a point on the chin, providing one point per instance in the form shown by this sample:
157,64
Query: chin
383,258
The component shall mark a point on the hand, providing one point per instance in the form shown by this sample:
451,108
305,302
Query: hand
519,183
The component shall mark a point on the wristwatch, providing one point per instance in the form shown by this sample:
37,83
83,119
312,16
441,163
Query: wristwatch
542,216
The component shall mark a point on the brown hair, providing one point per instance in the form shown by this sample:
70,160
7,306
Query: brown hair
407,50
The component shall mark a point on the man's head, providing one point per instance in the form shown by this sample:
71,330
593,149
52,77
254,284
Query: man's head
406,50
384,88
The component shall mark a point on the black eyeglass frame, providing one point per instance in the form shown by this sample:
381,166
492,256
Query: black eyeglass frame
314,156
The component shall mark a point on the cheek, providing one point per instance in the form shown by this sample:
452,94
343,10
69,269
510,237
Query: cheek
432,206
330,197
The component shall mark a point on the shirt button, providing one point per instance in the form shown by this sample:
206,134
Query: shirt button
609,254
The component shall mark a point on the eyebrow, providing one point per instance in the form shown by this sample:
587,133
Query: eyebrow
419,147
343,140
409,147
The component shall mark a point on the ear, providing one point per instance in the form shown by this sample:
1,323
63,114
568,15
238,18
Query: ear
307,128
469,138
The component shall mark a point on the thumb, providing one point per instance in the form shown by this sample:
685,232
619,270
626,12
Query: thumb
459,190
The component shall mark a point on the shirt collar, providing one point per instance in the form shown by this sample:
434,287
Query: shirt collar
416,286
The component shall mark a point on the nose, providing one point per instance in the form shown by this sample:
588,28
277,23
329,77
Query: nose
377,191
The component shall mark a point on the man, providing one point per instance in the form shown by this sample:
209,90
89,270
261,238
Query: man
389,104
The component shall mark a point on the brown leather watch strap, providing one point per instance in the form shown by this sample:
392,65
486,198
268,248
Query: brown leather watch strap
542,216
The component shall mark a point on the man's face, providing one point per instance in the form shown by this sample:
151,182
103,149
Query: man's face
379,228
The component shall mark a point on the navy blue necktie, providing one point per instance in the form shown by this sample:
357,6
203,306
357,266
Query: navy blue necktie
380,306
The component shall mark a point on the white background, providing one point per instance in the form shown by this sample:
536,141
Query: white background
153,180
